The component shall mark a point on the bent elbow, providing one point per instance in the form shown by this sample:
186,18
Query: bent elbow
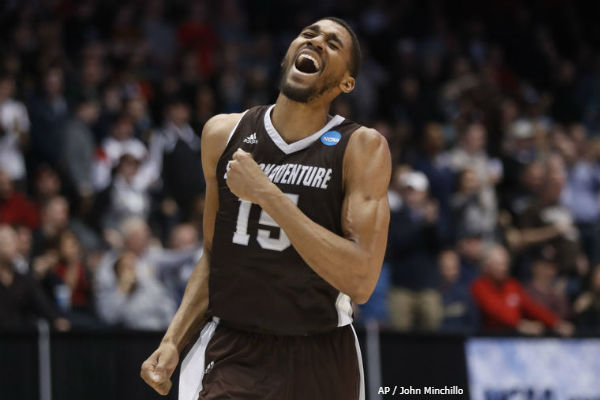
361,298
362,294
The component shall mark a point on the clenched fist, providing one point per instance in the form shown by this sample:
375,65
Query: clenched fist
245,178
158,368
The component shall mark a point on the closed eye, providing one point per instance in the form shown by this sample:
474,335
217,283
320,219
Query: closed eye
333,46
308,34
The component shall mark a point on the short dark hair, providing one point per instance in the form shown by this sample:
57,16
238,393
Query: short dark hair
355,56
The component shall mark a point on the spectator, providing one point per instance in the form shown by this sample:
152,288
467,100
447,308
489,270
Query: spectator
150,264
440,176
47,185
470,154
504,304
138,304
460,314
544,288
184,237
49,112
15,207
21,298
14,131
413,299
547,221
469,247
70,282
581,192
129,194
472,209
21,262
79,147
177,148
520,150
120,142
587,305
54,219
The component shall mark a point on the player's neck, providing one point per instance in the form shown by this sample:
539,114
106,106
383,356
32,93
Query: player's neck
295,121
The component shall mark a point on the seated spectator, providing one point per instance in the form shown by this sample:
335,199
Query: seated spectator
460,314
544,288
138,304
14,131
69,282
587,306
47,184
469,247
414,302
21,262
15,207
504,304
21,297
151,263
183,237
55,219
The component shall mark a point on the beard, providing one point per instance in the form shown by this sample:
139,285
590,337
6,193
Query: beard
303,94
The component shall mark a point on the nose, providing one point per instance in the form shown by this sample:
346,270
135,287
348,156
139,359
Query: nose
318,42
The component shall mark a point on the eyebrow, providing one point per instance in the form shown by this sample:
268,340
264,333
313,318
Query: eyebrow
332,36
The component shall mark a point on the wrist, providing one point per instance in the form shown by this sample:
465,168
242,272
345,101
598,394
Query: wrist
269,195
169,340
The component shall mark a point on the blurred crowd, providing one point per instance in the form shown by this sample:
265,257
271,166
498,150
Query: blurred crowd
492,113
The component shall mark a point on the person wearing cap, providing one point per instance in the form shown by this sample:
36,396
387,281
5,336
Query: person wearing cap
504,304
519,151
414,240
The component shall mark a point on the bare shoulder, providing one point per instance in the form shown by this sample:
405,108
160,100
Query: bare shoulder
218,127
367,147
215,134
367,161
365,138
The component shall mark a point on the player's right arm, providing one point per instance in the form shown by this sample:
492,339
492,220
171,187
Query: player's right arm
159,367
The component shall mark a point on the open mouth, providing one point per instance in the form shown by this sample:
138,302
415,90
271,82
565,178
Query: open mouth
307,64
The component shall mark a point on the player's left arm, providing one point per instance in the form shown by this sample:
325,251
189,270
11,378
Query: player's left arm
352,262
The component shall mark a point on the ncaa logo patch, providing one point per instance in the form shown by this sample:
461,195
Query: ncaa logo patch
331,138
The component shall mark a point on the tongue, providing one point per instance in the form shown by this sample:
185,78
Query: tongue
303,64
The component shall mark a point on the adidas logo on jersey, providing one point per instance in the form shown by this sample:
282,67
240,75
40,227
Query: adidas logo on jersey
251,139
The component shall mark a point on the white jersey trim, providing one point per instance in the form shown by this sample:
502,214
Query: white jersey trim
343,305
193,365
301,144
361,370
235,128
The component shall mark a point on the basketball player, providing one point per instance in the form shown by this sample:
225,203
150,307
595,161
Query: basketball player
295,230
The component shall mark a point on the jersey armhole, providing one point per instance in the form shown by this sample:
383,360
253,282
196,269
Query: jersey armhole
234,129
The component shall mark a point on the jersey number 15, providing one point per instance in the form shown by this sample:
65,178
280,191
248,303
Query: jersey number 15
263,236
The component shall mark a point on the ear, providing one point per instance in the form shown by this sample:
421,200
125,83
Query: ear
347,84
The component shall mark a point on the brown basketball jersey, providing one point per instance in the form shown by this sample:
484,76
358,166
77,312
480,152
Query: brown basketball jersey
258,281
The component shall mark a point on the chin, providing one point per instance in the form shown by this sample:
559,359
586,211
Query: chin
295,92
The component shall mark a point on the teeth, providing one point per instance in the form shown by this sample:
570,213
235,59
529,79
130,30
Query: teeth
311,58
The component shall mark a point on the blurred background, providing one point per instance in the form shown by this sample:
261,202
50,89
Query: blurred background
492,113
